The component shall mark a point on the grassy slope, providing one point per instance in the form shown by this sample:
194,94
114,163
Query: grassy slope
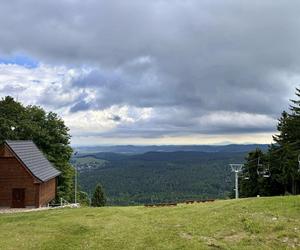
259,223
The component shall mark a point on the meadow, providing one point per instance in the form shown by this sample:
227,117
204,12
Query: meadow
254,223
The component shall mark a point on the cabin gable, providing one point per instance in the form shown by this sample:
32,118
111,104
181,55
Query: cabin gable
19,187
5,152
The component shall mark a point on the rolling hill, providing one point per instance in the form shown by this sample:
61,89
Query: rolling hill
156,177
257,223
132,149
160,176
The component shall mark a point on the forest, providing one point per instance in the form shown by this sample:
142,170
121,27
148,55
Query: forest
156,177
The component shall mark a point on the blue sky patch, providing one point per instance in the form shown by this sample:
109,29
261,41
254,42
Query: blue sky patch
20,59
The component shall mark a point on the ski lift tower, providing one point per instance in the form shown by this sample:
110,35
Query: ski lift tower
236,168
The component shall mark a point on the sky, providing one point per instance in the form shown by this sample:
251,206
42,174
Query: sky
154,72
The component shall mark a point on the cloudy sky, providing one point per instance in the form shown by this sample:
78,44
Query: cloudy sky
154,72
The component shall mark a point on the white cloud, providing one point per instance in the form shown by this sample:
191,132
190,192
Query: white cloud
236,120
31,85
95,122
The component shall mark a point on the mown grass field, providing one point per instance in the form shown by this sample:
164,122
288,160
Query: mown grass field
258,223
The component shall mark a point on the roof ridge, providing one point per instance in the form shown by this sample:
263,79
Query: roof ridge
39,165
20,141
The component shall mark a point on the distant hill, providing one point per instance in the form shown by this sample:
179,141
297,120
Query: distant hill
161,176
131,149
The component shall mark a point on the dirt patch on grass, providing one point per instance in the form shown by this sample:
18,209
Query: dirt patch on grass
291,242
211,242
21,210
237,237
186,236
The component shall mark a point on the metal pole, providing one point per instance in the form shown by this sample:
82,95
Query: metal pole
236,168
90,191
236,185
75,198
75,185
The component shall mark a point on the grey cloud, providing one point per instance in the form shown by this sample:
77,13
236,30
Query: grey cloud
192,56
156,131
116,118
12,89
79,106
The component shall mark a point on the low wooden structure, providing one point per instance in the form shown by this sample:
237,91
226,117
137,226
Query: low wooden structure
27,178
172,204
199,201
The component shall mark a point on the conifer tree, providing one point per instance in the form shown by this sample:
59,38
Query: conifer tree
99,198
282,159
288,149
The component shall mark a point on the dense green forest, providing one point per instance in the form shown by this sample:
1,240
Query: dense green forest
155,177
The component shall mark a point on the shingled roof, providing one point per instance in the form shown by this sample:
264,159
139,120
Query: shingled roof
33,159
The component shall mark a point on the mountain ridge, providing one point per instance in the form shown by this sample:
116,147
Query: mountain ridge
135,149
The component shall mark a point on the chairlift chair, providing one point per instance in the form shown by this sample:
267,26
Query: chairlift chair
267,172
260,167
246,177
246,174
228,179
263,170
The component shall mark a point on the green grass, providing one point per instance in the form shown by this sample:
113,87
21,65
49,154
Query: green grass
258,223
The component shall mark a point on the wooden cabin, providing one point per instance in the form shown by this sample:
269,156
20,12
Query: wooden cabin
27,178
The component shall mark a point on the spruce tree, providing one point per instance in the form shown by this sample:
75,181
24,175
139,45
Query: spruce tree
288,149
282,158
99,198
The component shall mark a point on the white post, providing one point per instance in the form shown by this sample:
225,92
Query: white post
75,198
236,185
90,191
75,185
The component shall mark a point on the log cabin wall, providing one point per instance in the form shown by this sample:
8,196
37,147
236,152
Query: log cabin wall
47,192
13,175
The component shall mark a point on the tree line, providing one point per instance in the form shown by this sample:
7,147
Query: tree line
49,132
277,171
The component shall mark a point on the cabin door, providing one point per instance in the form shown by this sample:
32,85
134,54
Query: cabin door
18,197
